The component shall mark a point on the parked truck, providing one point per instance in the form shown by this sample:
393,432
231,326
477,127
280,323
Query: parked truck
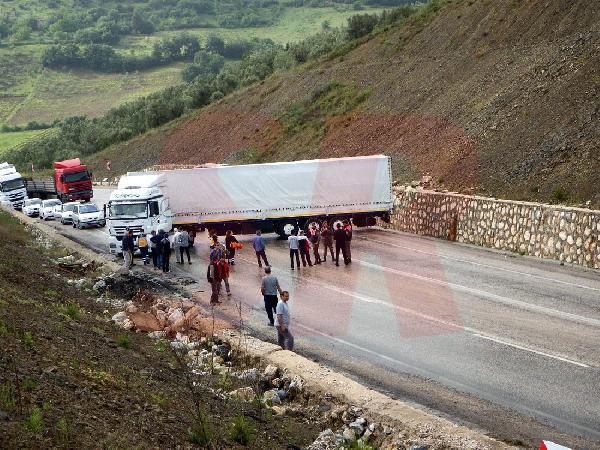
274,197
71,181
12,187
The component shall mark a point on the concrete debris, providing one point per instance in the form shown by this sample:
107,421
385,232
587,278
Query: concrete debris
279,410
145,321
244,393
349,435
157,334
270,372
100,285
250,374
325,441
175,315
271,398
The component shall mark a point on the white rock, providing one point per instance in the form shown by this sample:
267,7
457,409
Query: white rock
270,372
349,435
271,398
176,315
119,317
99,285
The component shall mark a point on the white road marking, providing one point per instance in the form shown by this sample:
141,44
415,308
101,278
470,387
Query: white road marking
488,295
449,324
489,266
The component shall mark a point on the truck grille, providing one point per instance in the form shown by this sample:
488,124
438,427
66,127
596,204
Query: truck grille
120,230
17,199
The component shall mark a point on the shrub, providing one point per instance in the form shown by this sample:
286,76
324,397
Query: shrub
201,431
29,384
70,310
242,430
28,339
34,422
63,433
558,194
123,341
360,25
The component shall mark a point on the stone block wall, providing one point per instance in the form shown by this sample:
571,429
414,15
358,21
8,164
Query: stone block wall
547,231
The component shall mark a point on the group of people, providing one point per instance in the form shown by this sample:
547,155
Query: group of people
158,246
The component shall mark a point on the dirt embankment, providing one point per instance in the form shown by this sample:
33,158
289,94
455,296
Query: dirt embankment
501,97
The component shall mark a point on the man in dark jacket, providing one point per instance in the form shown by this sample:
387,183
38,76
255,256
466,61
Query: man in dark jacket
127,246
348,230
327,239
165,251
340,237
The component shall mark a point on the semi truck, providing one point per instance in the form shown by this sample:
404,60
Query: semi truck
71,182
12,187
273,197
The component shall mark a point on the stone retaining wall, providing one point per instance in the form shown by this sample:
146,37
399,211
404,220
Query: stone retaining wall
547,231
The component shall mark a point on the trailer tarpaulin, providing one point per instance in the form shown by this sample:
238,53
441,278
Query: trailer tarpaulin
285,189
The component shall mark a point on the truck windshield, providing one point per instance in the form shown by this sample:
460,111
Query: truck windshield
88,209
122,210
11,185
79,176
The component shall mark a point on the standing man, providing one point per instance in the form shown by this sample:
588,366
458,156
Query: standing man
165,252
315,240
269,289
213,275
327,238
143,246
340,244
348,230
177,245
304,247
259,247
127,245
156,252
230,245
184,245
293,246
284,337
217,249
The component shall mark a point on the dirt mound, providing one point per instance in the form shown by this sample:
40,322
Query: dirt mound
499,96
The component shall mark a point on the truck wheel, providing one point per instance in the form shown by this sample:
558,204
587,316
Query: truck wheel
284,229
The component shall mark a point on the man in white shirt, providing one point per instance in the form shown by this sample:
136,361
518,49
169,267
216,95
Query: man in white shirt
293,245
282,323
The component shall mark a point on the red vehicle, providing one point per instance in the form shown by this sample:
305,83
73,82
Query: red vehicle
72,181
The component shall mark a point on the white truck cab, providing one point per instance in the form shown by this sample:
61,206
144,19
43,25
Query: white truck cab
138,204
12,187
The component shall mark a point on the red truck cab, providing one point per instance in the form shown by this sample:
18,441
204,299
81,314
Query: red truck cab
72,180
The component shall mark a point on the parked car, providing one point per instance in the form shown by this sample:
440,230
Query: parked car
64,212
31,207
87,215
47,208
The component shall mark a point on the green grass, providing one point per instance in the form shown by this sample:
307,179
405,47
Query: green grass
35,421
294,25
8,140
123,341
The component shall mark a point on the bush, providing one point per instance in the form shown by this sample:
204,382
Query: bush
123,341
34,422
201,431
361,25
242,430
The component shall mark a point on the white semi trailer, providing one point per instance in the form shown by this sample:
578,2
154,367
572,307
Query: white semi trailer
12,187
273,197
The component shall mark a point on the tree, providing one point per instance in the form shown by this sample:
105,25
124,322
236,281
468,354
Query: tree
140,24
215,44
361,25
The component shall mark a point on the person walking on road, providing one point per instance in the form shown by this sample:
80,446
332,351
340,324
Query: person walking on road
282,322
184,246
294,249
230,245
165,252
315,240
304,247
327,239
143,246
217,249
213,275
127,246
340,237
348,230
259,247
269,289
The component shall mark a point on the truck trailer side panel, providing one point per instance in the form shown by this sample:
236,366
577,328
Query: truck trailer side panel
277,190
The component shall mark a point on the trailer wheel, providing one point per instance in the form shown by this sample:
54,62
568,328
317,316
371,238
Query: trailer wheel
284,229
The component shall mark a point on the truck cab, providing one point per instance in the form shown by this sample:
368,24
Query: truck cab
72,181
12,187
141,209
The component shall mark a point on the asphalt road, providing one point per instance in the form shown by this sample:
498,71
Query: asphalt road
509,344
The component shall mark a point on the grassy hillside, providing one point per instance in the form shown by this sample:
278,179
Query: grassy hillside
499,98
28,92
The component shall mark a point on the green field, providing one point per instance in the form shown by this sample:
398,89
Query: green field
8,140
294,25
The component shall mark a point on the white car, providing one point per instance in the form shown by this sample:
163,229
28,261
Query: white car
47,208
31,207
87,215
64,212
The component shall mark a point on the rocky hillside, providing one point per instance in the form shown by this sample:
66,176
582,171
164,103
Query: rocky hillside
500,98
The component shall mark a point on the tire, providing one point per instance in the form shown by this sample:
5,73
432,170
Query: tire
284,228
102,224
